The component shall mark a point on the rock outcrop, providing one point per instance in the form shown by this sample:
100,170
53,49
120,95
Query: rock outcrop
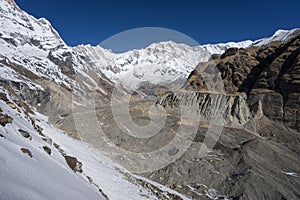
270,74
233,109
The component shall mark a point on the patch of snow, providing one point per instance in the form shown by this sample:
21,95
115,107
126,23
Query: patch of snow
291,173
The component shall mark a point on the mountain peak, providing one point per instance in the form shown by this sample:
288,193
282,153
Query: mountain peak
279,35
280,31
13,4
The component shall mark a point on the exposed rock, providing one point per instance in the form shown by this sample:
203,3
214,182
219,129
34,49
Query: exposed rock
11,105
25,134
20,69
270,74
90,180
153,189
233,109
26,151
215,57
33,97
273,100
229,52
39,129
3,97
74,164
102,193
5,119
64,62
56,146
263,97
47,150
47,139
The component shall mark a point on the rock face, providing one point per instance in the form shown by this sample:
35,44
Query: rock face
74,164
26,151
5,119
270,74
25,134
234,109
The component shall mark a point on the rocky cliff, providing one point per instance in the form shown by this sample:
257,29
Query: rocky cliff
269,74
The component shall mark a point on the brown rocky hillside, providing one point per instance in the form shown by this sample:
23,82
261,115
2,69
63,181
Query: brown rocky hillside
270,73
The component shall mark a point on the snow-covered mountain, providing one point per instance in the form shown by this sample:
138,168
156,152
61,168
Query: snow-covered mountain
35,45
162,62
165,62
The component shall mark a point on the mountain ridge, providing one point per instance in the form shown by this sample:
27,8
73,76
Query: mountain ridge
171,61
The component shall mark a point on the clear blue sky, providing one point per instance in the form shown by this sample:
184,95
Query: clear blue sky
210,21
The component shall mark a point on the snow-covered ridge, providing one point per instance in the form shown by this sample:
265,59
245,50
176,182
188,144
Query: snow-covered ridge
168,61
279,35
162,62
26,41
34,44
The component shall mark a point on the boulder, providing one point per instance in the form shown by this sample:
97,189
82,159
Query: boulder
74,164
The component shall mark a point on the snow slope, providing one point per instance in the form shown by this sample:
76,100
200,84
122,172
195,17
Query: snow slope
41,177
45,176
